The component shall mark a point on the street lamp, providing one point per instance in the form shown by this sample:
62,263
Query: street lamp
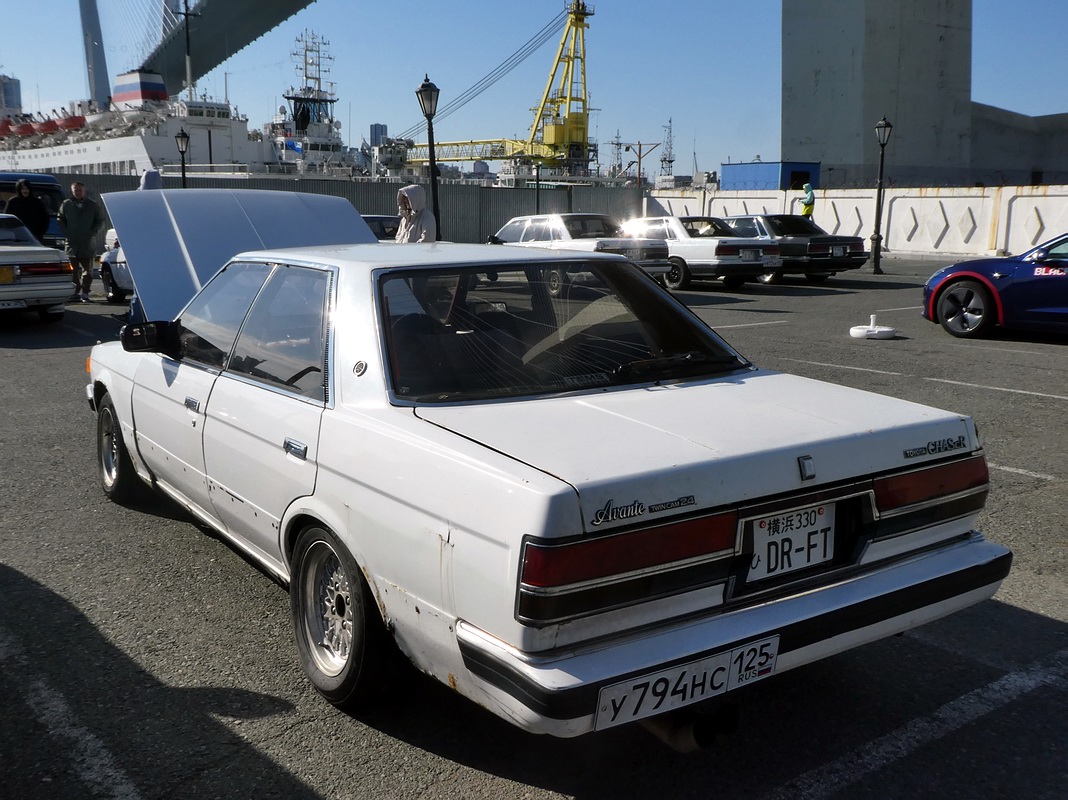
182,140
428,103
882,133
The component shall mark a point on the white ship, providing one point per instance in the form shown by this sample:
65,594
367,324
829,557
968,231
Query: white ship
137,132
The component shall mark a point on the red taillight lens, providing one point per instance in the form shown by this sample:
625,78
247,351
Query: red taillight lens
50,268
727,249
562,565
898,491
819,248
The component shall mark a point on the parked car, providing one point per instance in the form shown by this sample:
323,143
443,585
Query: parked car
806,248
114,271
597,233
1028,291
383,226
48,190
32,276
706,248
527,495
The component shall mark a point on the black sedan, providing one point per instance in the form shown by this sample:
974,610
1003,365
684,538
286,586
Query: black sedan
806,248
1027,292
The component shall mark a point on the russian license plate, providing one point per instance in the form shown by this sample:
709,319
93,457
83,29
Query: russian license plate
838,252
684,685
749,254
7,274
789,542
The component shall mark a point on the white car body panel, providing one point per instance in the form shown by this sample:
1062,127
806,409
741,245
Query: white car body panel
436,502
700,255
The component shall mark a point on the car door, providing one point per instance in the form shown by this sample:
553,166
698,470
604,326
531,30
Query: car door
170,395
1038,294
261,432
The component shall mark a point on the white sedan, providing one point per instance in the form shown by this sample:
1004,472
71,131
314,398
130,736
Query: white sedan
32,276
707,248
526,494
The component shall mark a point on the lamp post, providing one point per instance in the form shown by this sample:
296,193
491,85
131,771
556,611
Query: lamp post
882,132
428,103
182,140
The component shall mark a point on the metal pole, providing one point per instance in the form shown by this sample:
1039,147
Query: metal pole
877,239
183,168
433,178
537,188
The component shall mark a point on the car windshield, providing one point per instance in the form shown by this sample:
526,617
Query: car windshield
707,226
793,225
591,227
476,333
14,234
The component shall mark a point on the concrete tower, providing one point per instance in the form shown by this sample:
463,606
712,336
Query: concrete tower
847,63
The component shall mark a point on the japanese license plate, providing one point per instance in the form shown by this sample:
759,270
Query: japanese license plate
9,304
7,274
838,252
749,254
773,261
684,685
789,542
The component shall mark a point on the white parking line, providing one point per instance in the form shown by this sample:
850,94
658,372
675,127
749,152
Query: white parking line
997,388
90,760
751,324
906,308
1024,472
853,766
843,366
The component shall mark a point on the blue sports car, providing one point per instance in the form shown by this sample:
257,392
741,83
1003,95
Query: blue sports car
1027,291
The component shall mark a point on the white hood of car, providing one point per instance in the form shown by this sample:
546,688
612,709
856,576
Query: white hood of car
708,444
175,240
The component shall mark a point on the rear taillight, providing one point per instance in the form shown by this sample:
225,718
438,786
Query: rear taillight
933,483
561,581
818,249
723,249
49,268
547,565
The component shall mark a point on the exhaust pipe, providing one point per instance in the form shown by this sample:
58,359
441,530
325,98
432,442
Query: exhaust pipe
688,732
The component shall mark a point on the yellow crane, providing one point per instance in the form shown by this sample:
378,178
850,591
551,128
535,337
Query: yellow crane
559,134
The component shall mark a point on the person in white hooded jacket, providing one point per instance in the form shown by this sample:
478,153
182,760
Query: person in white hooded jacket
417,222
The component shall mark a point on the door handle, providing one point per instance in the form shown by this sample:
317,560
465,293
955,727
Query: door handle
295,448
192,404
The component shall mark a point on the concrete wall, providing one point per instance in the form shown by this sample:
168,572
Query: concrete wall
917,221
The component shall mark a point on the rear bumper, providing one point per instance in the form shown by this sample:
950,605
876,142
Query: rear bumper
726,269
799,266
655,267
36,296
558,694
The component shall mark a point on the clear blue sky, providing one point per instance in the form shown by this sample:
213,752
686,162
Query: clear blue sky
646,63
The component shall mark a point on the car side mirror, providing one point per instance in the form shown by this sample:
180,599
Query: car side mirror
150,337
1041,254
493,239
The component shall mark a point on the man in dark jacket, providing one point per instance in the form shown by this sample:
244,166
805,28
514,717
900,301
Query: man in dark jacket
31,210
80,220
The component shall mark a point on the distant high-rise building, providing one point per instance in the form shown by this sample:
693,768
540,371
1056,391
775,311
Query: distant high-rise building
379,133
10,95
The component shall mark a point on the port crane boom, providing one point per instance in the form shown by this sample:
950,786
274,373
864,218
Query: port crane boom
559,134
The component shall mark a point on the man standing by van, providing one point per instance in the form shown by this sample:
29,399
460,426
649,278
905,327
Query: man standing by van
80,219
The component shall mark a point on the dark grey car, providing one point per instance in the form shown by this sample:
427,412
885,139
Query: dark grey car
806,248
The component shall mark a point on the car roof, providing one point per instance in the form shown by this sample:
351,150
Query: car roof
436,254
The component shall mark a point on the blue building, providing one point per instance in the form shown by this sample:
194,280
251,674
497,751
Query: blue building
776,175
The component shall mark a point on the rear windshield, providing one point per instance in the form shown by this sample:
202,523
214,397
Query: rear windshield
475,333
792,225
707,226
591,227
50,194
14,234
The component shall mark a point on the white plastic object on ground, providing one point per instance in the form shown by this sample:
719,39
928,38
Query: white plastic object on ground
872,331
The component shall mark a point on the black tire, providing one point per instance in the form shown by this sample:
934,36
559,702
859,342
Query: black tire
557,280
678,277
117,476
343,645
965,309
733,282
771,278
50,314
817,277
